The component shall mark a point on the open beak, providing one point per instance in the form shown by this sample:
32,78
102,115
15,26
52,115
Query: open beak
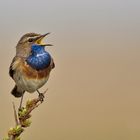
40,38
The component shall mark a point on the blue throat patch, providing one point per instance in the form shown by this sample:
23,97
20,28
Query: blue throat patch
39,59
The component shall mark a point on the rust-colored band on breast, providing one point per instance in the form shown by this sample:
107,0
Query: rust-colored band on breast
35,74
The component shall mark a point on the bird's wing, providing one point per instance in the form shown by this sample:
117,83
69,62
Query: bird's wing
15,62
11,70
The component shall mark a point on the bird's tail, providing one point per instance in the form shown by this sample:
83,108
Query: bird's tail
17,92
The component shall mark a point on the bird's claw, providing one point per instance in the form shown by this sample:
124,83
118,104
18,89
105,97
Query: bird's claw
41,97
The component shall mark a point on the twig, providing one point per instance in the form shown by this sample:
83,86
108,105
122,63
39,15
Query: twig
22,120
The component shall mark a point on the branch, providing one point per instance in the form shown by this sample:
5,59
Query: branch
22,119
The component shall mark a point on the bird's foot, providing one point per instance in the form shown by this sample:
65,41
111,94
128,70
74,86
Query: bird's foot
20,106
41,96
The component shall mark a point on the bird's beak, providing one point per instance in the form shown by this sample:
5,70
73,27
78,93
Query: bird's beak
40,38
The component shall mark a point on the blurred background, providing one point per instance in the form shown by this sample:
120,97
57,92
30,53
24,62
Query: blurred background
94,91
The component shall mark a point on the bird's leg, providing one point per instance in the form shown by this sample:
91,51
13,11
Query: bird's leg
41,95
20,106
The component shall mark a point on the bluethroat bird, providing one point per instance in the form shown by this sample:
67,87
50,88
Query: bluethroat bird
31,67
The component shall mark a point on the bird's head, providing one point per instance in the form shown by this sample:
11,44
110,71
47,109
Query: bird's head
24,45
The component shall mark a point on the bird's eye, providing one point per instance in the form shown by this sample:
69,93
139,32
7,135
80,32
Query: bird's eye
30,40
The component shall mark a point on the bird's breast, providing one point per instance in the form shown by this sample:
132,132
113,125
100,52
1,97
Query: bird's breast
39,61
32,73
29,78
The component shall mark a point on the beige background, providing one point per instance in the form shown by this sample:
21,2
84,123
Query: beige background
94,91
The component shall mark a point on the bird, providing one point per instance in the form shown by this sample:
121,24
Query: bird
31,66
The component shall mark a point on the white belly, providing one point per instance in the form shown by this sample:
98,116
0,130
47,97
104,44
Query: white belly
29,85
